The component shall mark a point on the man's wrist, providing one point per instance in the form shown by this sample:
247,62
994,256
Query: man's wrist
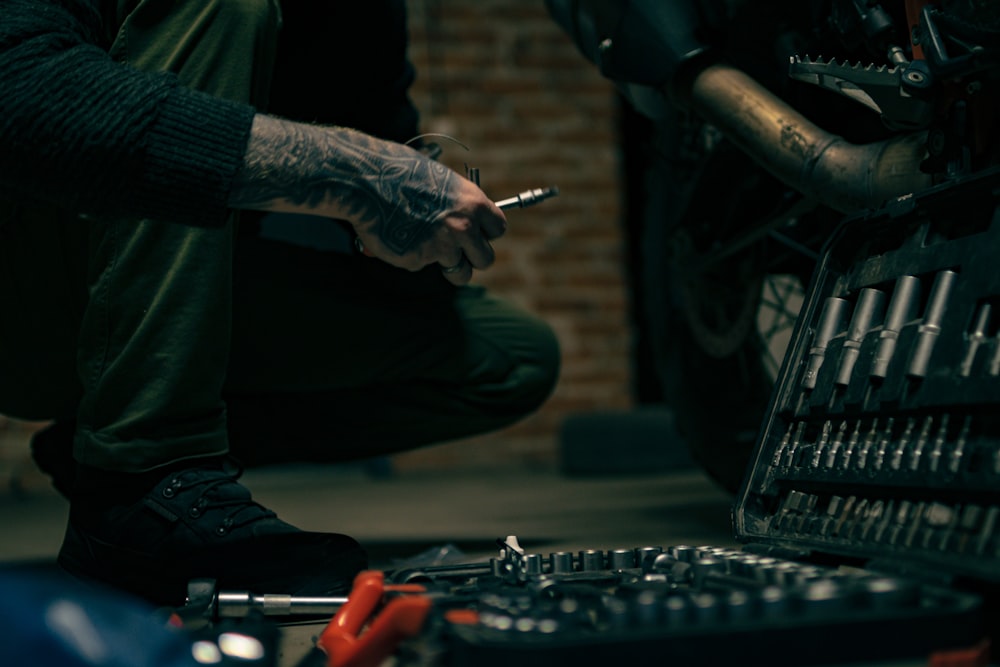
388,189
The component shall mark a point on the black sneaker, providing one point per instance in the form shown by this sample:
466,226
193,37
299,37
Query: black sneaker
200,523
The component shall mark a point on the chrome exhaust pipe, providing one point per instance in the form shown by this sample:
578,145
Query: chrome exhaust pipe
821,165
652,50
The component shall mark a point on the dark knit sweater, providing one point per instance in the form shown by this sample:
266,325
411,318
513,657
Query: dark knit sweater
92,136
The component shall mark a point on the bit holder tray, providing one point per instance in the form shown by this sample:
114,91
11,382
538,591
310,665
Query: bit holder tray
882,441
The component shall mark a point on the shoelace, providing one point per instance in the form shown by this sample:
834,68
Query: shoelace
242,503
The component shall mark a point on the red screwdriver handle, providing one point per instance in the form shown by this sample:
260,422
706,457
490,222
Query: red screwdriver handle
401,618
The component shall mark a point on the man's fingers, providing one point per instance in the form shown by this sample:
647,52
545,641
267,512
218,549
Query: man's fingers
453,265
459,244
479,252
459,273
493,222
472,237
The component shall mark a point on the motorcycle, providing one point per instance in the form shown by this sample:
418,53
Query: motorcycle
771,122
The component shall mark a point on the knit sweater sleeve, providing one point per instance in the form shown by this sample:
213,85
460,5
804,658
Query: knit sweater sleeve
100,138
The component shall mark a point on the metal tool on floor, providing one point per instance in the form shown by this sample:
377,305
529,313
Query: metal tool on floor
206,602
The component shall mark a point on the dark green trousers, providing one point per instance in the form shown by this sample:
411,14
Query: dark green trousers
167,342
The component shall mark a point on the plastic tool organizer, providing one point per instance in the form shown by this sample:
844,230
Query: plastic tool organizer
870,515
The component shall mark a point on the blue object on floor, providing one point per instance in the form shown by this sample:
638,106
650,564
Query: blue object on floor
48,618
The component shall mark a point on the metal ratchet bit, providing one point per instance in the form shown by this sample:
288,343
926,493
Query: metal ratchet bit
852,443
820,447
902,309
958,450
867,314
831,323
239,604
867,444
929,329
520,200
975,339
939,442
830,457
904,442
922,441
205,600
527,198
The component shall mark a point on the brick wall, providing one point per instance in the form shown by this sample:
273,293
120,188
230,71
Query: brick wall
502,77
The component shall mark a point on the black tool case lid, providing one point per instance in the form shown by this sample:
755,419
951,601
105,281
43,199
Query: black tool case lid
882,440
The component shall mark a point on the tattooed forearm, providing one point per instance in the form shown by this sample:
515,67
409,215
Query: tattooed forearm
393,191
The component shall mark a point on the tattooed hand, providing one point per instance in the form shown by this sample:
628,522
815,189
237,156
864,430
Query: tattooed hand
407,209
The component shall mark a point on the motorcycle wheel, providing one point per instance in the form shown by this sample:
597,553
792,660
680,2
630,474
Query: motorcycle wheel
728,251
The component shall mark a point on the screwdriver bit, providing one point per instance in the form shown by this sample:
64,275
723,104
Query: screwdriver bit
925,434
852,444
866,446
958,451
831,454
975,339
904,440
939,442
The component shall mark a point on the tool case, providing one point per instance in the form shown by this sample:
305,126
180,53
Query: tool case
869,517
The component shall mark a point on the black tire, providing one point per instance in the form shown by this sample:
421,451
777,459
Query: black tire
703,282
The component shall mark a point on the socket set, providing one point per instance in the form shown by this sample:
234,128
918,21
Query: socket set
869,517
686,605
882,440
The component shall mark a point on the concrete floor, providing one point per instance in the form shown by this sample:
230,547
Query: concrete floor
402,515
